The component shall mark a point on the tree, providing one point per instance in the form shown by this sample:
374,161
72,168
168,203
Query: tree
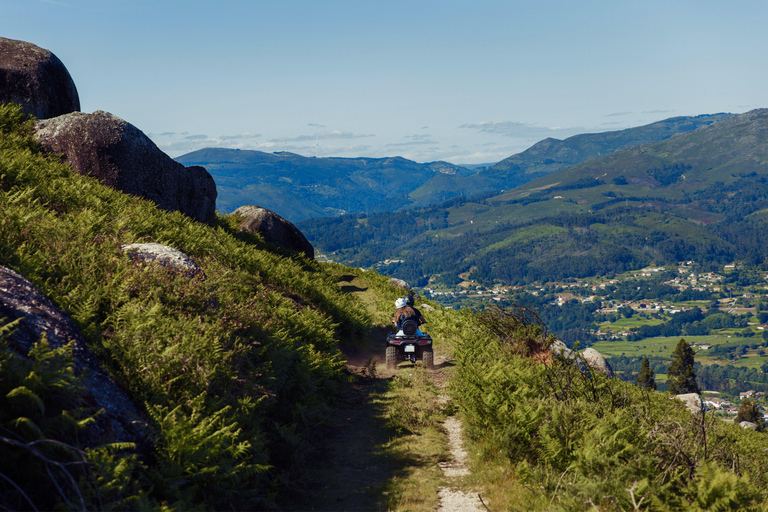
645,377
680,374
748,412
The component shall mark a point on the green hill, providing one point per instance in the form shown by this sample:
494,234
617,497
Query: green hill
700,195
551,155
298,187
238,368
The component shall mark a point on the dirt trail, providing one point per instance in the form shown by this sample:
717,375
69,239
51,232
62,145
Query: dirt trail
354,469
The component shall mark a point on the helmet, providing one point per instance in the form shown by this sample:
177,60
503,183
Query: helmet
400,303
409,300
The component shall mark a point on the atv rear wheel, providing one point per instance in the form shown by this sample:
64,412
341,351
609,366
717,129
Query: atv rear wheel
391,357
428,356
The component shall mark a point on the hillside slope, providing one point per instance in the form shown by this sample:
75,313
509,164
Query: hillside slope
234,367
699,195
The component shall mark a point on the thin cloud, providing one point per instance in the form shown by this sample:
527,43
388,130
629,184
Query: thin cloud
241,136
411,143
615,114
519,130
335,134
657,111
196,137
315,125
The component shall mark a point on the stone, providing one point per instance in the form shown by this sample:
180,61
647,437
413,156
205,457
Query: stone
559,348
119,155
19,298
692,402
163,255
274,229
597,361
399,283
35,79
748,424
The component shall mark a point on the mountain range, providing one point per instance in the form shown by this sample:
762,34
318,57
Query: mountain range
299,188
698,195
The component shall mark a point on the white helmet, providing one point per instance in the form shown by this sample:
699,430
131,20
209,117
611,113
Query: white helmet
400,303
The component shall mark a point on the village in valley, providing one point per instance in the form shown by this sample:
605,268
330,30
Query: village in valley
722,313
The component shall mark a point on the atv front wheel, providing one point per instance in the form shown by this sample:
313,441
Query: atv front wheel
391,357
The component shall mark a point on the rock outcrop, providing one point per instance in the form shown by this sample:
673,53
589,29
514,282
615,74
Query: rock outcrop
36,79
748,424
692,402
117,153
274,229
162,255
597,361
399,283
21,299
559,348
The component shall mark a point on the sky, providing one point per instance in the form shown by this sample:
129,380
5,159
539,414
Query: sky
469,82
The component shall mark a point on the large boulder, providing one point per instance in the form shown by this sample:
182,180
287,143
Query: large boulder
692,402
117,153
274,229
597,361
162,255
399,283
35,79
19,298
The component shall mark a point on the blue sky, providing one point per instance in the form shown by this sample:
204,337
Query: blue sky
468,82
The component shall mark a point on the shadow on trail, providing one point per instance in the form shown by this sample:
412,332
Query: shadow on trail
352,469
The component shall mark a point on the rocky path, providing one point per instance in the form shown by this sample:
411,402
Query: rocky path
453,499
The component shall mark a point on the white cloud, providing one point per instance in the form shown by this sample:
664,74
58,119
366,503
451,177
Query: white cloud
520,130
335,134
241,136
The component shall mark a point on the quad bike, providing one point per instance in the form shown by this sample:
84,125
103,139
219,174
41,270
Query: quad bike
409,346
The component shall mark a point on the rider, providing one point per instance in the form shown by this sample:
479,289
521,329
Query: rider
404,312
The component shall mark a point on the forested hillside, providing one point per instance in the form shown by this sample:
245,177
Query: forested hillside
699,195
298,187
551,155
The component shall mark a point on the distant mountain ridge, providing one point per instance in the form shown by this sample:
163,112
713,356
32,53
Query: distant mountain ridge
700,195
551,155
298,187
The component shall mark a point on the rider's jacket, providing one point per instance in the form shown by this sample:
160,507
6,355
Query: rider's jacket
407,312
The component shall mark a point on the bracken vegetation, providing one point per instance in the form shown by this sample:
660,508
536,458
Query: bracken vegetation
234,367
550,436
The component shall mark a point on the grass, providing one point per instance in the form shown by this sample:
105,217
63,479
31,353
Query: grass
415,415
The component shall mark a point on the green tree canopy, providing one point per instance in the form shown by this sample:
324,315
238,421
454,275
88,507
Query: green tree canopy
645,379
748,412
680,374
